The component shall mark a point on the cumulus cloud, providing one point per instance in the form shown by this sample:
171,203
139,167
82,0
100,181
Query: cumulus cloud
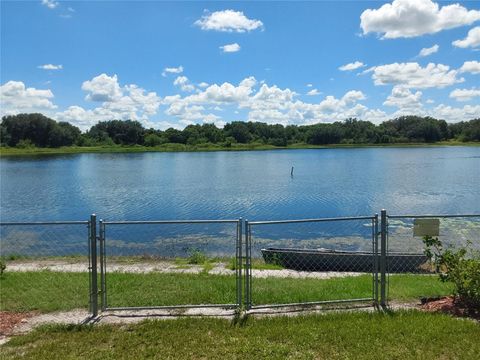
413,75
464,94
183,83
117,102
313,92
230,48
472,40
51,4
228,21
471,67
453,114
406,101
411,18
351,66
428,51
102,88
172,70
17,98
50,67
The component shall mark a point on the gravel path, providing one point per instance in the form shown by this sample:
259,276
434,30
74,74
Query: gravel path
169,267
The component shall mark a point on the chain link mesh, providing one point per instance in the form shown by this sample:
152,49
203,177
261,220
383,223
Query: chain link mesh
315,253
46,266
186,263
406,257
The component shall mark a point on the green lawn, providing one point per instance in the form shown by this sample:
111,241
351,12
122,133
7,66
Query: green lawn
401,335
51,291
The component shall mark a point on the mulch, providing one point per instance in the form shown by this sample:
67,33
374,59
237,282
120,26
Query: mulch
8,320
448,305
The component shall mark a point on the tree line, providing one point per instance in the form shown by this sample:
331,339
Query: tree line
25,130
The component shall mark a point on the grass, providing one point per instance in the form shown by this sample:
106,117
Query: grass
400,335
173,147
48,291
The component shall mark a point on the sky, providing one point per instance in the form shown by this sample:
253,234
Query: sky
172,64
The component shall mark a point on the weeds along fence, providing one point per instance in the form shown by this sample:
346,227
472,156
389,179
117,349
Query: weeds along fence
51,253
122,265
312,275
404,249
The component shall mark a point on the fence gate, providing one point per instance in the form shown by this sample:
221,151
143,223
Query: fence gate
311,262
170,264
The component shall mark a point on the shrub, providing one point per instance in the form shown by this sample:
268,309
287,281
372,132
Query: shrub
459,266
196,257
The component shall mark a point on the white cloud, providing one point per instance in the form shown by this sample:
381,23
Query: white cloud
472,40
183,83
471,67
172,70
464,94
50,67
51,4
429,51
313,92
230,48
129,102
16,98
404,99
351,66
309,85
412,75
203,85
102,88
228,20
452,114
411,18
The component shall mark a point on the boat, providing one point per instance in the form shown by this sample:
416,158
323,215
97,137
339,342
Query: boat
338,260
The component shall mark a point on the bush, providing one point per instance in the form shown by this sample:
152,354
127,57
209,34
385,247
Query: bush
459,266
196,257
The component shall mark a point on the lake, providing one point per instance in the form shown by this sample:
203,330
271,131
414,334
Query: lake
256,185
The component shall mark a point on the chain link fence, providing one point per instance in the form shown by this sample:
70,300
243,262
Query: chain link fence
311,261
121,265
47,265
405,255
170,264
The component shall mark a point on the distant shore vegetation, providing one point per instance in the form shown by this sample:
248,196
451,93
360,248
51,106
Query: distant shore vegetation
34,131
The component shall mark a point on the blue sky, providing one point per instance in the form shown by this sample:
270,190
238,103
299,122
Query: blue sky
170,64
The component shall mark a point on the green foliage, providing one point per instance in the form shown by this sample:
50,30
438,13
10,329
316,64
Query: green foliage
40,130
196,256
3,266
458,266
25,144
153,140
44,132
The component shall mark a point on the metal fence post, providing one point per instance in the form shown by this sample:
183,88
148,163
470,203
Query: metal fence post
103,287
239,263
383,258
93,254
248,267
375,255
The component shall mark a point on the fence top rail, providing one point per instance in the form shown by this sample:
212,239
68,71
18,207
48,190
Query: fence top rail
46,223
311,220
154,222
433,216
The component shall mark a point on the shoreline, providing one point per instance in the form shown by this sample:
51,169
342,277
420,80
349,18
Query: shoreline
12,152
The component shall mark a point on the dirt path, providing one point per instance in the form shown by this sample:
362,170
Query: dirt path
168,267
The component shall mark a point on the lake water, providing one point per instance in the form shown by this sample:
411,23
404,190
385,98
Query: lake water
256,185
